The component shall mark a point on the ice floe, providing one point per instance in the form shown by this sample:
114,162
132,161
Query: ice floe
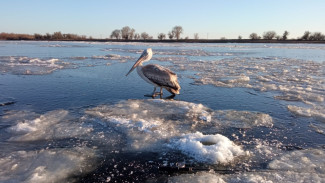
310,160
315,112
297,166
30,66
111,57
244,119
152,124
249,177
289,79
46,165
29,126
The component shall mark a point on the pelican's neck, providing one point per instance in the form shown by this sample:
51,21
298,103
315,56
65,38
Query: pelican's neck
139,69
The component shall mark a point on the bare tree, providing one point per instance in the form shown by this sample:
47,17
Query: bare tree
38,36
269,35
171,35
196,36
253,36
144,35
278,37
131,34
125,31
317,36
116,34
57,35
285,35
239,37
48,36
161,36
177,30
223,38
136,36
306,35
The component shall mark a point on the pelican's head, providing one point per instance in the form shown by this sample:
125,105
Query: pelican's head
145,56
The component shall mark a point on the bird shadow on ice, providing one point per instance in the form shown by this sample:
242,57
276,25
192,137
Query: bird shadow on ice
159,96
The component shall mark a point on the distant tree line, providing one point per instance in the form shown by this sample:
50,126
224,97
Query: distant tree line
128,33
13,36
47,36
269,35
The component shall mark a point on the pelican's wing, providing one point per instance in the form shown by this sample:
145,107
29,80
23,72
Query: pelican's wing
161,76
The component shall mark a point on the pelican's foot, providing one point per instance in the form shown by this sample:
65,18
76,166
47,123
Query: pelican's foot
153,94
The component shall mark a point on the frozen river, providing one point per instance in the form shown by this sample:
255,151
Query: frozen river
246,113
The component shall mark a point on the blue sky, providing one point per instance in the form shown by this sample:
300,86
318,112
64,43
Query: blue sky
209,18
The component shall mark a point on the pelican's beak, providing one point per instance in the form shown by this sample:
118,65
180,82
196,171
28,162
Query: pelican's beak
139,61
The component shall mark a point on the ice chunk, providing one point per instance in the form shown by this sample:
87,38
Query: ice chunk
310,160
296,80
111,57
30,66
54,165
28,126
244,119
208,148
151,123
249,177
201,177
316,112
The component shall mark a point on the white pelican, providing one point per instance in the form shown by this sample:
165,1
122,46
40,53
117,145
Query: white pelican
156,75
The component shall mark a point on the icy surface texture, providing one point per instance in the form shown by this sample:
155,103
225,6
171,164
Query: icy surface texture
30,66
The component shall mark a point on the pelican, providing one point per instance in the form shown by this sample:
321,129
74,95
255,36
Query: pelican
156,75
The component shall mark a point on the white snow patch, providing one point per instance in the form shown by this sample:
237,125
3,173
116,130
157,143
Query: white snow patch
208,148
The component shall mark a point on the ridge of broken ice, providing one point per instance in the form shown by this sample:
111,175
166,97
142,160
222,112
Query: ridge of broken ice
30,66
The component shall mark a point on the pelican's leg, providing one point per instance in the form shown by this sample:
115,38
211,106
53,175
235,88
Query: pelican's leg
153,93
161,91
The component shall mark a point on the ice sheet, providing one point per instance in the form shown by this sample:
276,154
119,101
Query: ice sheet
152,124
